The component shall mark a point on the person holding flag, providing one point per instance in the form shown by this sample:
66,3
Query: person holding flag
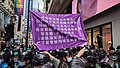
75,61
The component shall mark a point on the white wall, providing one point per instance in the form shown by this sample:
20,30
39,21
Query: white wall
113,17
116,32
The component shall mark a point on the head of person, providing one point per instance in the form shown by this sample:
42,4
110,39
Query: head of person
118,50
64,56
87,53
112,51
118,47
68,56
91,62
16,55
105,65
21,58
41,59
101,53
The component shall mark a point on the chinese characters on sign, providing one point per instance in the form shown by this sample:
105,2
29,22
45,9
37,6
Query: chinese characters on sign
52,31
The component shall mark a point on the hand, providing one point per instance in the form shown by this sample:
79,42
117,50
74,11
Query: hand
46,52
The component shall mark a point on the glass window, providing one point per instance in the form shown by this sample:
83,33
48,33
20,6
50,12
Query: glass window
106,35
105,31
96,31
1,18
88,33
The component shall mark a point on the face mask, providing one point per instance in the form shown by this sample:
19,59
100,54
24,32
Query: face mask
69,59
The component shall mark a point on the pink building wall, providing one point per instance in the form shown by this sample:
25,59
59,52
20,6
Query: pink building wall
101,5
105,4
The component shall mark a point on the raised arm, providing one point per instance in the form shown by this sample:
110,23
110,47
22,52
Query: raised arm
56,62
51,57
81,52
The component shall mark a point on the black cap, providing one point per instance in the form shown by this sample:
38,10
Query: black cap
118,47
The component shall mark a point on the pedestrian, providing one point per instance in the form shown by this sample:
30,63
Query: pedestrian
99,41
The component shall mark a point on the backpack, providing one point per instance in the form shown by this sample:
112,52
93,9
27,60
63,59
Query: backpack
63,65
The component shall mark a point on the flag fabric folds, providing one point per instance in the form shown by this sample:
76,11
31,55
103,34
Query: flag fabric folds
87,8
57,31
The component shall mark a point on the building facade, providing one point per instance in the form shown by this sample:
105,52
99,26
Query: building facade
58,6
6,15
46,5
32,5
107,25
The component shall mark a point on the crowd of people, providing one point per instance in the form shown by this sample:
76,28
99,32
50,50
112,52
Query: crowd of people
21,56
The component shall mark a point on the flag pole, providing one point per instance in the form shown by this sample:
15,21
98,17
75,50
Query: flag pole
26,44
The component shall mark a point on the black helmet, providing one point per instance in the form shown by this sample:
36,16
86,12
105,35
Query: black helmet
41,59
101,53
92,59
118,52
105,65
118,47
87,53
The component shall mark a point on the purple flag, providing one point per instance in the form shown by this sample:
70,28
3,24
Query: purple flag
57,31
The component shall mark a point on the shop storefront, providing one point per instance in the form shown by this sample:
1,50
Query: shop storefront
4,20
104,31
107,25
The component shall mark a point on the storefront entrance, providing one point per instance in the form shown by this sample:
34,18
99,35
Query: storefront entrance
104,31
